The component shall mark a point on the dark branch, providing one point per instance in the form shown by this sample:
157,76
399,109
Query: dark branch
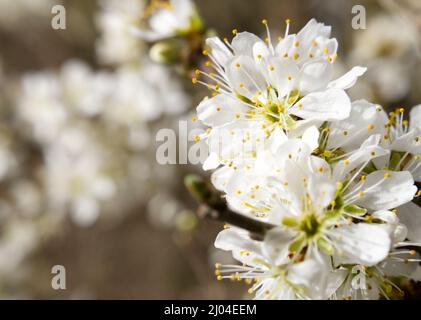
212,206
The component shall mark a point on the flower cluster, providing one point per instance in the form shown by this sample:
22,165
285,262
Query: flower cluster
334,179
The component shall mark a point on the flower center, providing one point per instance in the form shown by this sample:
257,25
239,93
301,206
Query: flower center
310,225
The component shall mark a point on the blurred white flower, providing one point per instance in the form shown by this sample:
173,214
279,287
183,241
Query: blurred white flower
39,105
169,18
388,47
76,177
17,239
117,43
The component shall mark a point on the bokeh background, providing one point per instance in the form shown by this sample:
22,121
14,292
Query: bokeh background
79,111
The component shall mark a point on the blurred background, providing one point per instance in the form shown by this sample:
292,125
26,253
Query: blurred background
79,110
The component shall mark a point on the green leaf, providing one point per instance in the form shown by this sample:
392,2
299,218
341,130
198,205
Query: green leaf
290,221
395,157
325,246
297,244
354,210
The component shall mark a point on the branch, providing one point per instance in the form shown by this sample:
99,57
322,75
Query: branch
212,206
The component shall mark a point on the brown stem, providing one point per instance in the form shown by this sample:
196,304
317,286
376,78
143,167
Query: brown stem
212,206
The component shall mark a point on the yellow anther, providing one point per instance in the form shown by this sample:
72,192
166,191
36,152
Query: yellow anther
264,21
326,50
361,193
218,109
194,80
346,162
241,85
271,68
370,126
362,178
296,56
238,65
259,56
205,52
345,133
297,44
219,278
234,31
287,21
193,118
289,78
387,175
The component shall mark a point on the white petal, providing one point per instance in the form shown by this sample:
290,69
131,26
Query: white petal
260,52
219,50
221,109
364,120
410,215
387,193
221,177
243,43
211,162
235,239
315,75
348,79
275,245
284,45
311,137
314,29
238,241
408,142
245,77
395,268
333,104
283,75
312,275
368,150
362,243
415,117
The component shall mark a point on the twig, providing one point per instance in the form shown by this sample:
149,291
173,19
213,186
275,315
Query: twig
212,206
